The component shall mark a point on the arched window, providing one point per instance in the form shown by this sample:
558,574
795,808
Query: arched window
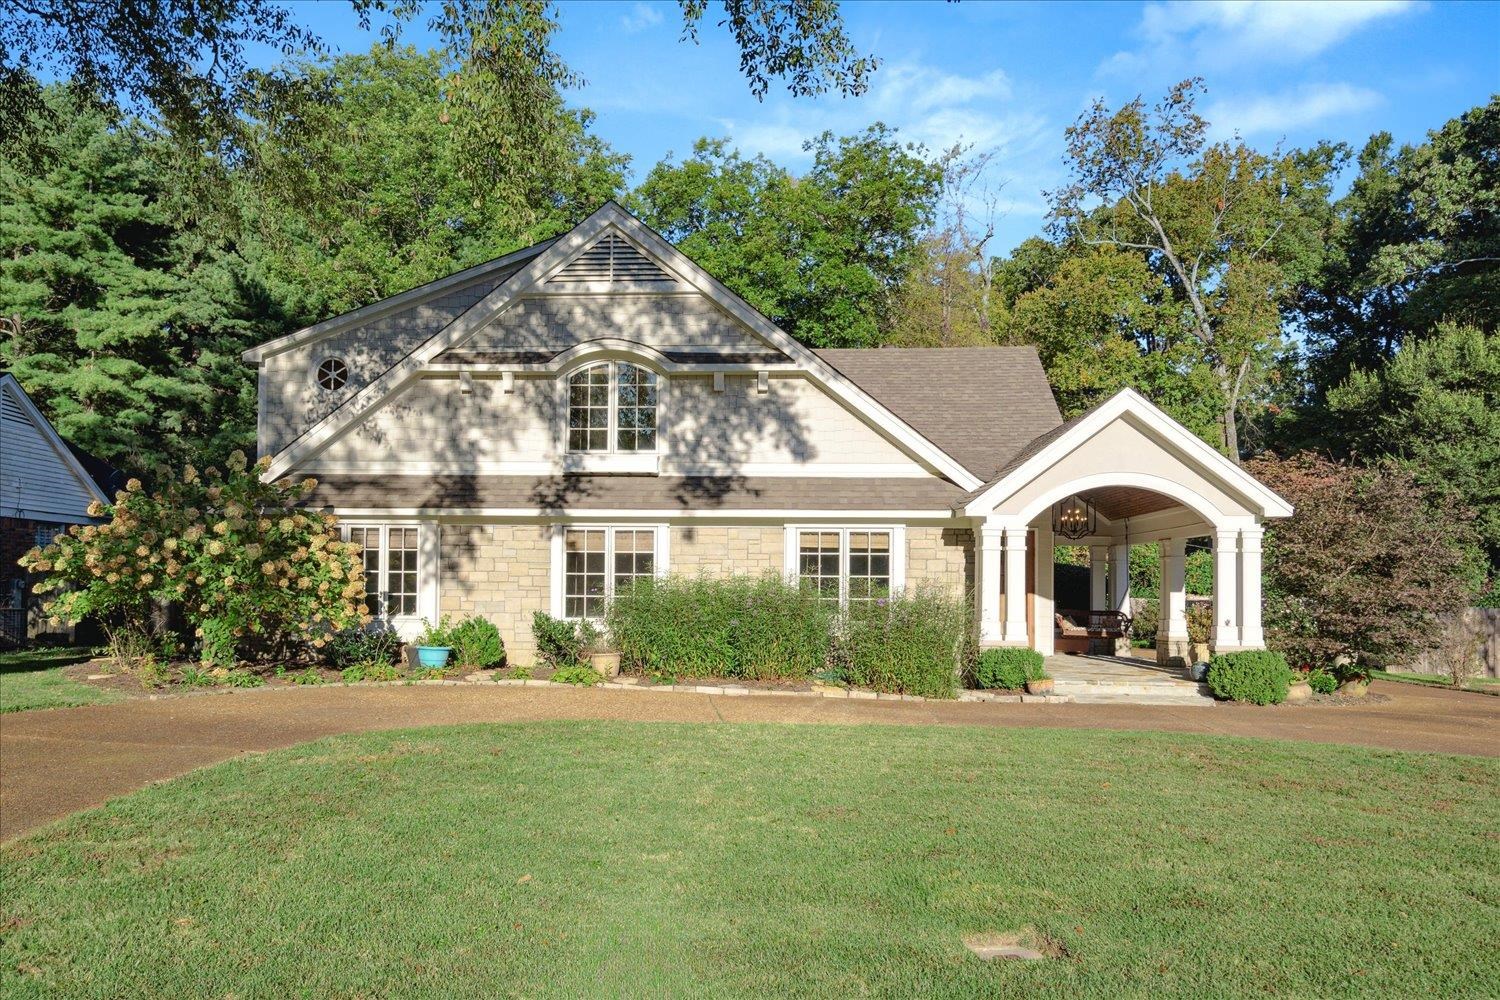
612,408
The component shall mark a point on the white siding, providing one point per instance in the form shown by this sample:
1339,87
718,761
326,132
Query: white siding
36,481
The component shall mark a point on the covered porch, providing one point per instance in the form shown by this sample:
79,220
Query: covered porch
1120,475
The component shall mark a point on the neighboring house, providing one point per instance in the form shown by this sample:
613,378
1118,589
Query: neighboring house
533,433
45,485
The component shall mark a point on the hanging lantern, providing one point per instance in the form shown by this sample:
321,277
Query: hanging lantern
1074,519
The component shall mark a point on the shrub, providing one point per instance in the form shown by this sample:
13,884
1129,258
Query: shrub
248,566
244,679
560,643
743,627
1200,623
910,643
583,676
366,648
1007,669
1259,677
1322,681
1144,620
477,643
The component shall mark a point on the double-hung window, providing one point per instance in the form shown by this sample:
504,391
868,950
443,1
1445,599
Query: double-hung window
390,567
599,562
612,409
846,564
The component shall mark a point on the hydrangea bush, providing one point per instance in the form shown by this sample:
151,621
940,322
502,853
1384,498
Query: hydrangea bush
251,571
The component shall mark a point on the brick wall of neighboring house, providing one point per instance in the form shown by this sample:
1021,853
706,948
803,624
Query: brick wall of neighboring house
18,608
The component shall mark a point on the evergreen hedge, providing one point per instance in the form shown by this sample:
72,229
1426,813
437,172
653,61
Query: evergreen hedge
1258,676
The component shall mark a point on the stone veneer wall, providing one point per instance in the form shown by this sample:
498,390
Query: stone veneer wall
943,557
503,572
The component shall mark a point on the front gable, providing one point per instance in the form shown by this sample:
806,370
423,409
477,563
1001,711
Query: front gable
738,391
40,477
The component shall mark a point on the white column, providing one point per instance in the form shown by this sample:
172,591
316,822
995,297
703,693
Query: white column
1173,614
1044,589
1226,631
1252,635
1015,586
1119,572
1098,577
988,563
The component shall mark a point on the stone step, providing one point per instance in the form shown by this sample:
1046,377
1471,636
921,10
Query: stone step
1180,701
1167,688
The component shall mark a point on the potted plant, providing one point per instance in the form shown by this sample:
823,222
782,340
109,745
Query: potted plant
1299,689
1353,677
1038,681
603,657
435,644
1200,621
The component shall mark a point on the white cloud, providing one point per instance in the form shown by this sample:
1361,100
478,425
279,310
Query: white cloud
641,17
1292,109
1217,33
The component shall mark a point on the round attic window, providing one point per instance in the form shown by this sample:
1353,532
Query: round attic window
333,374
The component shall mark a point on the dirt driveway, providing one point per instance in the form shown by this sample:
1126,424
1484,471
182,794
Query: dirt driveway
56,762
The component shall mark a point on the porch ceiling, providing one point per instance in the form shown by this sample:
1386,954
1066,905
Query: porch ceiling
1118,502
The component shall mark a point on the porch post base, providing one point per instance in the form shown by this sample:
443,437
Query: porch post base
1174,651
1004,644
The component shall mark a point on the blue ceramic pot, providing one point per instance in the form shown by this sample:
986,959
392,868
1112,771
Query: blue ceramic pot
433,657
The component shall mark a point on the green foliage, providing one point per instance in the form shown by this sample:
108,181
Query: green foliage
910,643
739,627
370,647
1007,669
1321,681
477,643
1200,623
369,670
560,642
1145,570
244,679
578,675
440,634
309,677
251,570
128,326
1434,408
823,254
803,42
1259,677
192,676
1144,623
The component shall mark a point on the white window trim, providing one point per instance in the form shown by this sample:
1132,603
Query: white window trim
662,556
791,558
611,459
427,569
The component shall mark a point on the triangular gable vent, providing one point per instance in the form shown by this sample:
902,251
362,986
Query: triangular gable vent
612,259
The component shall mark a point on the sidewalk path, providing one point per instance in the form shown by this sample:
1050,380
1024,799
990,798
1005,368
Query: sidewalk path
54,762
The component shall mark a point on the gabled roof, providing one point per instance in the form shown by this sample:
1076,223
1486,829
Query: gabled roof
979,404
17,405
1050,447
611,218
495,271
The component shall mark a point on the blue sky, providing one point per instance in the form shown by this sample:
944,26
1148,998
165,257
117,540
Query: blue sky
1011,77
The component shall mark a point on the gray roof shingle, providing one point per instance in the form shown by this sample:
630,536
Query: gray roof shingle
640,492
981,405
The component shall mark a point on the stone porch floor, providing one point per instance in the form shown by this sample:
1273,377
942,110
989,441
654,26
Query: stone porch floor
1121,679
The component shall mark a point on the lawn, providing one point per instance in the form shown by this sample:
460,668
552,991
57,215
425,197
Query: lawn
1489,685
620,859
33,678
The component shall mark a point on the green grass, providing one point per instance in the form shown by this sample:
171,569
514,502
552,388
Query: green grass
1489,685
620,859
33,678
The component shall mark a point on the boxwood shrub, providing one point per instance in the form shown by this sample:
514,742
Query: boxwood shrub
912,643
1007,669
742,627
477,643
1259,677
1322,681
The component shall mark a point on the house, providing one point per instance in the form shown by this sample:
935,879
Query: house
45,485
535,432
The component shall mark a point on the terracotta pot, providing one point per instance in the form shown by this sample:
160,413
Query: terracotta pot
1300,691
1043,686
1354,689
607,664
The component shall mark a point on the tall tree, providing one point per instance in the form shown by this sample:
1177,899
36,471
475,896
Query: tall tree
126,330
822,254
1219,222
1415,241
367,192
1433,409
